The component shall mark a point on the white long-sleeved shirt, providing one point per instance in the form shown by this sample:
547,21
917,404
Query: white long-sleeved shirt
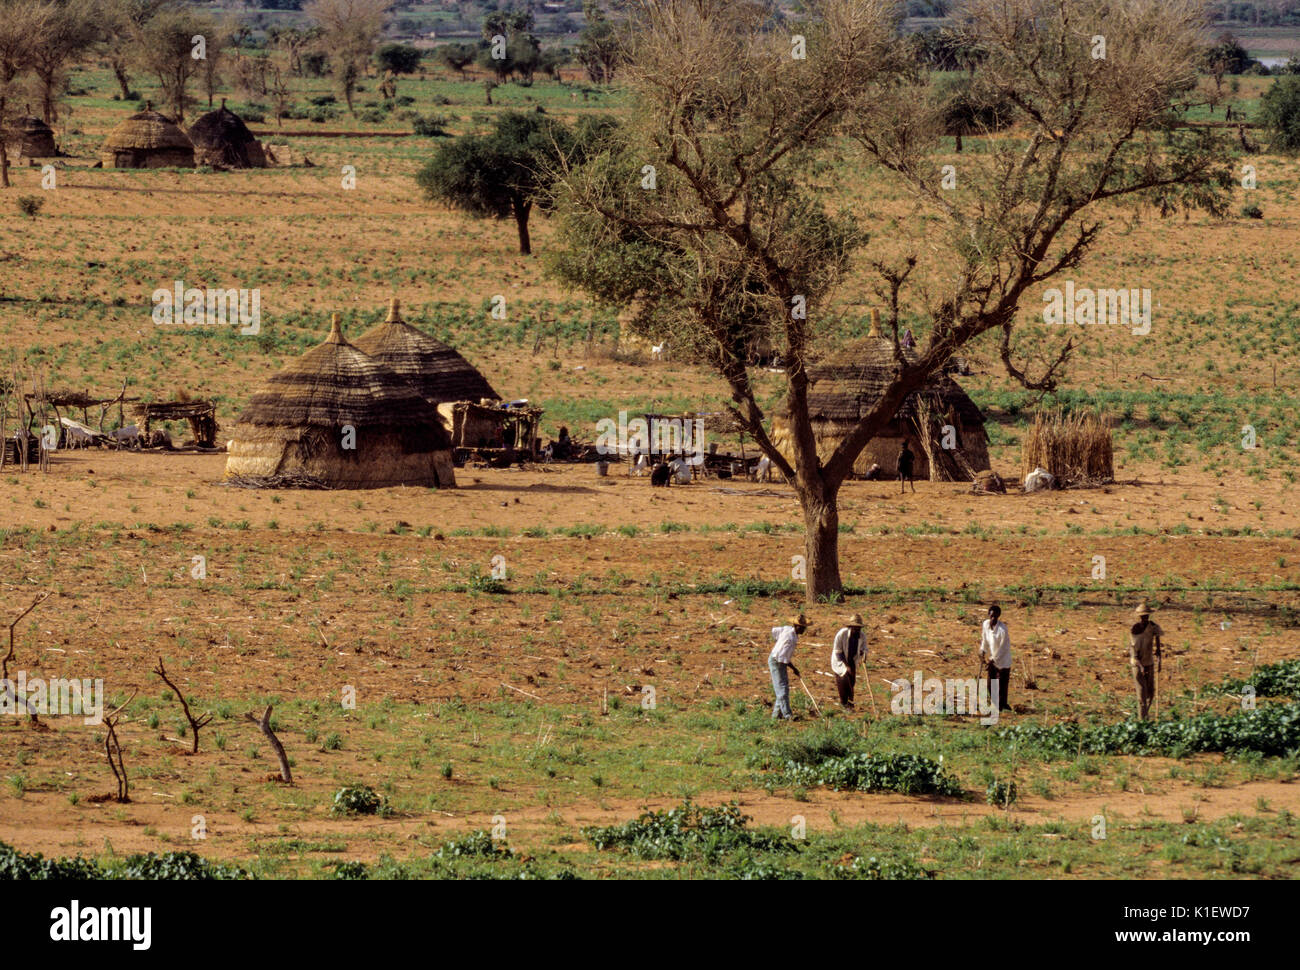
995,644
786,638
840,659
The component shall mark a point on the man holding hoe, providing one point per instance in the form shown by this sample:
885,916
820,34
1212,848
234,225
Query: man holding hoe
1144,657
786,637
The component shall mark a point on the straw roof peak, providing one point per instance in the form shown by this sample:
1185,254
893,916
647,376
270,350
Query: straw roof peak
437,371
336,331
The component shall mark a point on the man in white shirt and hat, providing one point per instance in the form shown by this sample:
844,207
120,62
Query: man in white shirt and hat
847,651
995,652
781,657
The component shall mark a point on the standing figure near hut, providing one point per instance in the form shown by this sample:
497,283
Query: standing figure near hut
1144,657
781,657
848,650
908,340
661,475
905,462
995,654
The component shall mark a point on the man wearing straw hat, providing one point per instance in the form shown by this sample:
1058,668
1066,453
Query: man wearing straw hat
848,650
786,637
1144,657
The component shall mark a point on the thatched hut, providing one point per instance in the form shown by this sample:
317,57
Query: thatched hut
341,418
437,371
30,137
147,139
844,386
222,139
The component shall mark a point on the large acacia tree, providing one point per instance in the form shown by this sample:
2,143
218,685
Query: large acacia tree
714,214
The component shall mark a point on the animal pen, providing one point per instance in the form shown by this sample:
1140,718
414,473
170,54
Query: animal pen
491,430
202,416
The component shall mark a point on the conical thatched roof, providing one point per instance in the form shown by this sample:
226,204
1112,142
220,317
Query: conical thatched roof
147,131
221,138
439,373
335,384
34,137
845,385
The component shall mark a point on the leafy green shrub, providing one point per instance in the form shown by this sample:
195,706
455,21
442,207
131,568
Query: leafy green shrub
876,868
1279,112
374,116
175,865
687,831
909,774
475,845
1001,793
430,126
356,800
351,869
29,205
253,113
1281,679
1251,211
1272,730
18,865
321,100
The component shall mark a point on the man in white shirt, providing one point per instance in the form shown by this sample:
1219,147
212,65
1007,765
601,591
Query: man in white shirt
786,637
995,651
848,650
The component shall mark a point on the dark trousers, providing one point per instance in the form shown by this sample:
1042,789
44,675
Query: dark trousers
845,683
1003,676
1145,680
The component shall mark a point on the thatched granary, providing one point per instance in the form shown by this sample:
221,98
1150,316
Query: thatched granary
30,137
300,425
438,372
221,138
844,386
147,140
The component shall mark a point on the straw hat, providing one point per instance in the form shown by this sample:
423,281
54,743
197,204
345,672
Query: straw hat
1143,609
797,621
854,620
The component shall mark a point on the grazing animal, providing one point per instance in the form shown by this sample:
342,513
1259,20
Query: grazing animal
640,467
657,351
681,471
660,476
763,472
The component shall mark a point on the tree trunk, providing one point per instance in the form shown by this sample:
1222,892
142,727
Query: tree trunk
821,518
522,210
123,80
4,166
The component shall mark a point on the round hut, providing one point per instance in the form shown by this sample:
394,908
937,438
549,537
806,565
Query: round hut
842,389
147,140
341,418
222,139
438,371
31,138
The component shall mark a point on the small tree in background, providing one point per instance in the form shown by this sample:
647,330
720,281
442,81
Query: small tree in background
165,49
398,59
349,31
505,173
1279,113
457,56
599,48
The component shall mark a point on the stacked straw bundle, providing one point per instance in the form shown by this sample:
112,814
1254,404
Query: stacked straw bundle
1076,448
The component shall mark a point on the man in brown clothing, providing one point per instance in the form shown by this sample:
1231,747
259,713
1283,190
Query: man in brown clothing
1144,657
